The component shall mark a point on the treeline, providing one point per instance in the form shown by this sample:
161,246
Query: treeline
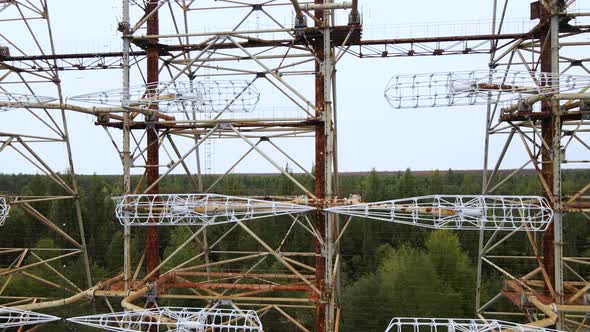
387,269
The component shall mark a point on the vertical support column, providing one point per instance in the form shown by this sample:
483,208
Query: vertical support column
320,172
324,134
153,147
124,28
484,184
551,158
556,150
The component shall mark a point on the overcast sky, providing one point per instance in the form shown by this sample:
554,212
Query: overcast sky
371,133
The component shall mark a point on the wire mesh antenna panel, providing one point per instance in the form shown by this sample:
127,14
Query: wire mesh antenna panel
11,318
475,87
464,325
10,100
458,212
197,209
175,319
183,96
4,210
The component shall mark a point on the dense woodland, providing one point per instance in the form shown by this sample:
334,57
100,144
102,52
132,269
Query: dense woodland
388,270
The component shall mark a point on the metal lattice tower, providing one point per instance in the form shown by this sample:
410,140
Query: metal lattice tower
36,135
170,105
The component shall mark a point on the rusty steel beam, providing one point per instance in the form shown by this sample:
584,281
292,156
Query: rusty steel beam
547,131
420,40
200,125
234,286
166,50
153,147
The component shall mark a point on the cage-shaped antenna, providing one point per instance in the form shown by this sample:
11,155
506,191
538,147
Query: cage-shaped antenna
182,96
197,209
464,325
12,318
4,210
458,212
175,319
9,100
475,87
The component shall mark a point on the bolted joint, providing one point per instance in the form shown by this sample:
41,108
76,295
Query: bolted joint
150,118
123,27
300,25
102,118
4,51
152,294
354,18
524,107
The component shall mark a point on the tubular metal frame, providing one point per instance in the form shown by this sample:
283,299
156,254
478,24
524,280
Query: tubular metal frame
27,24
542,134
183,53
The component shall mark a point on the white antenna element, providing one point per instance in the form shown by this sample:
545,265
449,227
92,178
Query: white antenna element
458,212
10,318
463,325
175,319
9,100
475,87
197,209
183,96
4,210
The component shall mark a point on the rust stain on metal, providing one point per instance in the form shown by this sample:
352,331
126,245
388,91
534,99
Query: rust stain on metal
153,158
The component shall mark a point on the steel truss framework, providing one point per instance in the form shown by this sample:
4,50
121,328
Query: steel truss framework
277,58
175,319
39,133
305,279
543,129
